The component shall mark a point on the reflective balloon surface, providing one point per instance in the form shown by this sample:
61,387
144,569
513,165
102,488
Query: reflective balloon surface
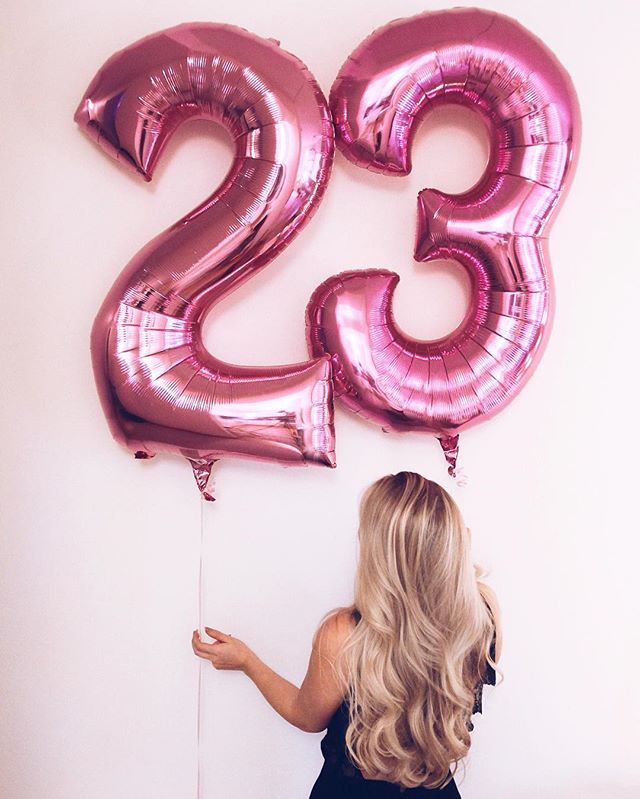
161,390
498,230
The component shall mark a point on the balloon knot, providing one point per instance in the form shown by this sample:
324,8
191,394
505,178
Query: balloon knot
202,472
449,446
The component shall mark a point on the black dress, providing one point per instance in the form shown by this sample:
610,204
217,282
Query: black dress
340,779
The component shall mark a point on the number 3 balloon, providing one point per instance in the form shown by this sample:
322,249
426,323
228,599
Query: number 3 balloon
160,389
497,230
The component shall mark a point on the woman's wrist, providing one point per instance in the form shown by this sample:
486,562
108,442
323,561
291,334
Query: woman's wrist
251,664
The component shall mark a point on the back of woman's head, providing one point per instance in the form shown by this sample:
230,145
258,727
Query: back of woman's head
413,662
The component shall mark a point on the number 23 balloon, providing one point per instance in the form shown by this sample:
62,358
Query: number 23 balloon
162,391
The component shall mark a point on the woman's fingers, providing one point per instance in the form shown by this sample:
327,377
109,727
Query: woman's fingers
199,647
217,634
207,651
225,652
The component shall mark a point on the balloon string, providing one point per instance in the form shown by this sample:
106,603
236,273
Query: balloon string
200,712
201,573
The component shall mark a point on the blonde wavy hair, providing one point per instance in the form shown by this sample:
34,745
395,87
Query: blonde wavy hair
412,664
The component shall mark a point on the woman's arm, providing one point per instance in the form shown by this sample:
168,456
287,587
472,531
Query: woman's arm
309,707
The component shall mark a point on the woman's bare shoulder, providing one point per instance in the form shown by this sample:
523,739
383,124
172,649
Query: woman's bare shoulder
333,631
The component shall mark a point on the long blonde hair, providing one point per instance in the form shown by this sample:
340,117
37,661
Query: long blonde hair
412,664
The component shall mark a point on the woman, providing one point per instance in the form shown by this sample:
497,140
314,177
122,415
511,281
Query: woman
396,677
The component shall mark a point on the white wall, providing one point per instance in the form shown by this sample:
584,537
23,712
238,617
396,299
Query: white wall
100,552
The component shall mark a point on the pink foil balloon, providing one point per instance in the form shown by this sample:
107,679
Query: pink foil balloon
160,389
497,230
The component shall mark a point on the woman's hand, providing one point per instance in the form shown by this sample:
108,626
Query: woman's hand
310,707
226,652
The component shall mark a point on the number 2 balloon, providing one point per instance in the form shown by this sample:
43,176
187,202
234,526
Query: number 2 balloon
498,230
160,389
